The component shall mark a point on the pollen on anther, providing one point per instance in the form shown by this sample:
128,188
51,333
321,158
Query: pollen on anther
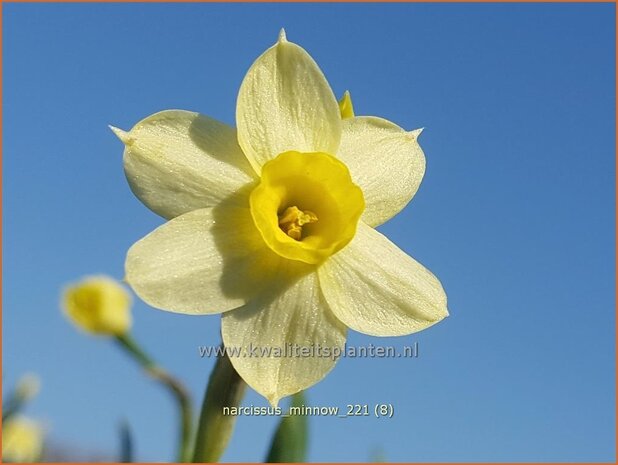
292,220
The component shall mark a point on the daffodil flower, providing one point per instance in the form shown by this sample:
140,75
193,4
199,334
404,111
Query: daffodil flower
272,223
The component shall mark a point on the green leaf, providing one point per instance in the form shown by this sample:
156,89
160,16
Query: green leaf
289,443
126,443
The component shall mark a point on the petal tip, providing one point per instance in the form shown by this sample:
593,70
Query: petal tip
122,135
273,400
346,108
416,132
282,37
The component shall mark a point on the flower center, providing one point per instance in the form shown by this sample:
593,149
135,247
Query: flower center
291,221
294,191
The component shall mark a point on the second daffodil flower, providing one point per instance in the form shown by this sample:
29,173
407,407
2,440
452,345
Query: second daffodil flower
272,223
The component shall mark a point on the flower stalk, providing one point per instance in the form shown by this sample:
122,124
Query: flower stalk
174,387
225,389
27,388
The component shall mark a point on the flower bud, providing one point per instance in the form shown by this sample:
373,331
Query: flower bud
98,305
28,386
22,440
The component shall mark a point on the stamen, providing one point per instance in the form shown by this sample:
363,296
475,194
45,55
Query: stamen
292,220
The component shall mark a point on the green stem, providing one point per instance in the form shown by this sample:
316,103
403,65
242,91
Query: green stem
174,387
16,400
225,389
11,407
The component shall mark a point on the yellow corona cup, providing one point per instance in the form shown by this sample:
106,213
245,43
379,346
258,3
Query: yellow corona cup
98,305
306,206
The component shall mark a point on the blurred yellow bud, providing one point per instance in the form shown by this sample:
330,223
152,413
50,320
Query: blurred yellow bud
345,106
28,386
99,305
22,440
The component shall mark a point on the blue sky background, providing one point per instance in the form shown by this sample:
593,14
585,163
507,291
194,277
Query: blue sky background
515,215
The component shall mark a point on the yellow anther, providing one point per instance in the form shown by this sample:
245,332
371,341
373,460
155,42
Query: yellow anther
292,220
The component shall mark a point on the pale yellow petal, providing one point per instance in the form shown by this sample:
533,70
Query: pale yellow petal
292,316
285,103
385,161
375,288
177,161
205,261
